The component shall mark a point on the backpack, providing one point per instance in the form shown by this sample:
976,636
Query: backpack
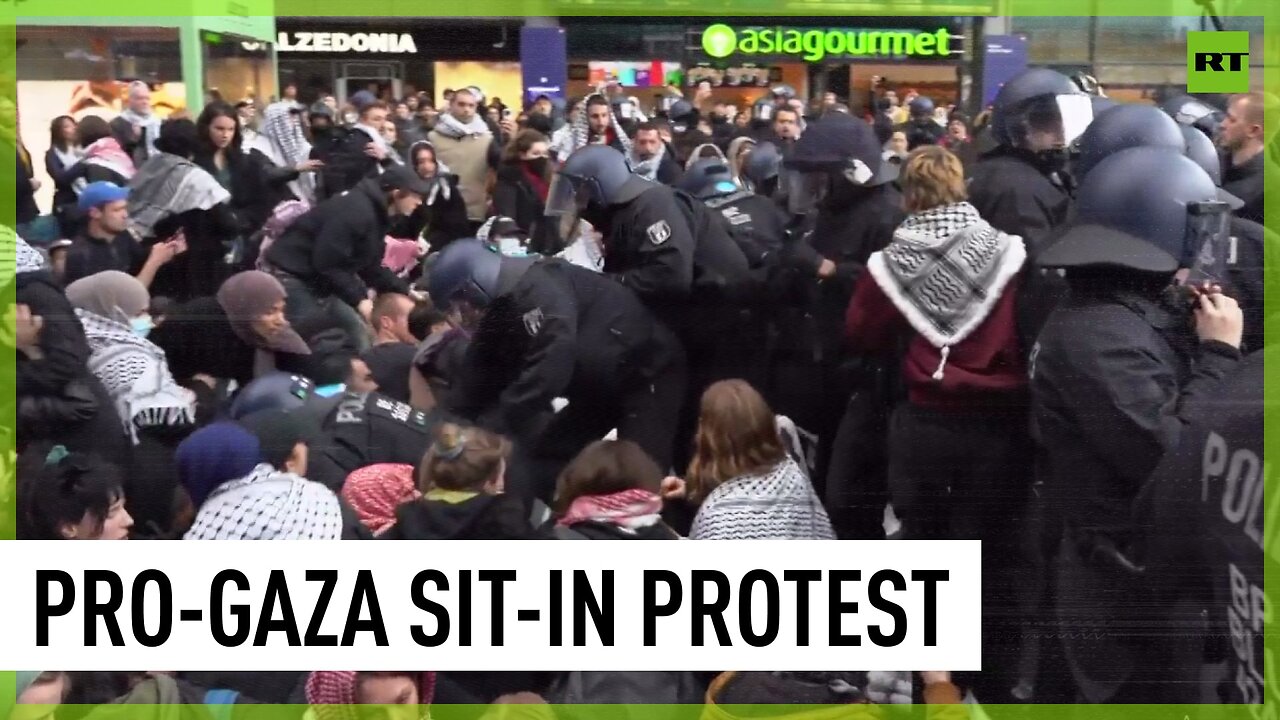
282,217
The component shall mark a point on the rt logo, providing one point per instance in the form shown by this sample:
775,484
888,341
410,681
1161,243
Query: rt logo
1217,62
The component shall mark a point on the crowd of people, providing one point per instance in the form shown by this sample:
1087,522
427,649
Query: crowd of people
589,320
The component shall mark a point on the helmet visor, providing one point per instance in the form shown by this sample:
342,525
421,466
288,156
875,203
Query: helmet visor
805,190
1207,250
1054,121
567,196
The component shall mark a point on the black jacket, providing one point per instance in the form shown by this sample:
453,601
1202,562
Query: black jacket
337,247
122,130
26,202
483,517
345,162
89,256
42,385
650,247
1251,245
251,194
439,222
1016,195
1202,544
847,231
560,331
361,430
515,197
1115,379
63,194
1246,182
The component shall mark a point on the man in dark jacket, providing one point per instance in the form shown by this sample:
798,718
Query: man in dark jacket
1243,140
331,256
650,156
353,154
1116,376
552,330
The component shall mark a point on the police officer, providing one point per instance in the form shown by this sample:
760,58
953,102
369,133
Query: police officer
1240,264
1189,111
920,127
546,329
1021,186
761,170
834,177
755,221
1205,551
1120,368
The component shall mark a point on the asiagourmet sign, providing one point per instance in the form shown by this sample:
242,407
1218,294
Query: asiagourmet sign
814,45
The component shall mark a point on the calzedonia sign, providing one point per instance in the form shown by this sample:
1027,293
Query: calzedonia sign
341,42
813,45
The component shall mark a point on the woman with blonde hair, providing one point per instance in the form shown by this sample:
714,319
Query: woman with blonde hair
748,485
959,447
462,479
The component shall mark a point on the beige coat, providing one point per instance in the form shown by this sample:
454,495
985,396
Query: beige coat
468,158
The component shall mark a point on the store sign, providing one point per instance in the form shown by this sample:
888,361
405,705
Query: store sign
340,42
720,41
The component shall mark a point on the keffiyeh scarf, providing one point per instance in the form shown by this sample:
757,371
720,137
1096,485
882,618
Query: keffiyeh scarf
452,127
26,258
282,141
268,505
945,270
629,510
107,153
332,693
580,133
648,169
150,125
777,505
136,374
169,185
374,493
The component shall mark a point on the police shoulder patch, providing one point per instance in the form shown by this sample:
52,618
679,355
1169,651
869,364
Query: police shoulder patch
659,232
533,321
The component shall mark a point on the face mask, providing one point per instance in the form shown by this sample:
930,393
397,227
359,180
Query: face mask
538,165
141,325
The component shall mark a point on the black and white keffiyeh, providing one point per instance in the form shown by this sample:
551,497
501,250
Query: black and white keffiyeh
283,142
168,185
136,374
268,505
579,134
945,270
648,169
26,258
777,505
452,127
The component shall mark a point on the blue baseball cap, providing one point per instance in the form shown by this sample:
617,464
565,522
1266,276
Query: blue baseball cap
100,193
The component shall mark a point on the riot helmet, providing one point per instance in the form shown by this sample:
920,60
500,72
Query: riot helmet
274,391
1123,127
464,270
708,178
836,152
1201,151
921,107
1148,209
1040,110
595,175
1186,110
761,168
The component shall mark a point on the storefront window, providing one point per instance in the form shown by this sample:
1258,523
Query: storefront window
1055,40
237,68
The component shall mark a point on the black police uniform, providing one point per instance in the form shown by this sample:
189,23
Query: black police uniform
1246,182
1205,553
1115,377
368,429
562,331
650,247
1247,251
754,221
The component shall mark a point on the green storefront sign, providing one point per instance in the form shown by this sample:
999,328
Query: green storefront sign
720,40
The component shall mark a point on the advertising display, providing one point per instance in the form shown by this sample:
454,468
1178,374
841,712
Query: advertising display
634,74
818,44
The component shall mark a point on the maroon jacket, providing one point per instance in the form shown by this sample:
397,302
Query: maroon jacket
985,369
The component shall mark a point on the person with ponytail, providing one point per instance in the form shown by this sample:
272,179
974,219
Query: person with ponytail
461,480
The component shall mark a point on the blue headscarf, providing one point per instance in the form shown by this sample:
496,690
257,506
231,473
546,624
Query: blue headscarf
214,455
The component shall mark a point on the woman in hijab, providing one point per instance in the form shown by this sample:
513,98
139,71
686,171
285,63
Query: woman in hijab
213,455
155,411
112,307
238,335
442,216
